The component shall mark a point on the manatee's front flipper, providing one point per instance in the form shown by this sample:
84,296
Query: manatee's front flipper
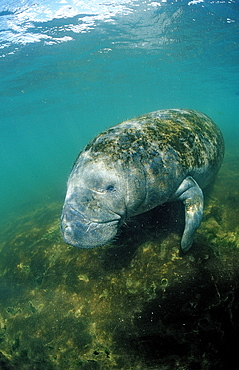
192,197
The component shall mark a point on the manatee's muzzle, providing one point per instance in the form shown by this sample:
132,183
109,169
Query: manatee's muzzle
80,232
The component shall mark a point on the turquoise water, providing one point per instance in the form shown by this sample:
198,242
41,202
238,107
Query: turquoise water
68,70
71,69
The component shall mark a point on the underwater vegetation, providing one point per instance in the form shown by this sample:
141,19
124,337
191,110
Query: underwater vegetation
135,304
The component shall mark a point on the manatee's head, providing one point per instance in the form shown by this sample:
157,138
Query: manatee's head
95,203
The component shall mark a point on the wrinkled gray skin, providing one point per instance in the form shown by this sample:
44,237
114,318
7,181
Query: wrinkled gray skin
137,165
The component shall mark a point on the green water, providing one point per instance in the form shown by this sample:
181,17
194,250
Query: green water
68,70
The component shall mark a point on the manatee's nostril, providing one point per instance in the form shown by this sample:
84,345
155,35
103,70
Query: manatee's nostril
85,199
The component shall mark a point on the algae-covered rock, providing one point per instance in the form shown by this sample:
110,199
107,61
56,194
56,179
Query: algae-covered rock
135,304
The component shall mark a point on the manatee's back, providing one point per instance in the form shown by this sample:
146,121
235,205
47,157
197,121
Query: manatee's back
188,137
193,136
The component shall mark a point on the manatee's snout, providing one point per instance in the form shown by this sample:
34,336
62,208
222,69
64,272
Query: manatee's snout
81,232
73,226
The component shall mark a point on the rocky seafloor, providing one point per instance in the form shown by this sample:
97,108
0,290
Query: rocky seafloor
136,304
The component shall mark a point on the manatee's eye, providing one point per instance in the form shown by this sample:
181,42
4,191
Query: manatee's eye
110,188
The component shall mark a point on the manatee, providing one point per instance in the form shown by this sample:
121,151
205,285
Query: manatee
162,156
